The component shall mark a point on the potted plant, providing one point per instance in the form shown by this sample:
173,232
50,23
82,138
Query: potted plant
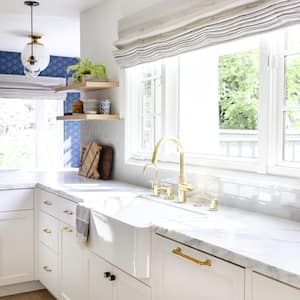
85,70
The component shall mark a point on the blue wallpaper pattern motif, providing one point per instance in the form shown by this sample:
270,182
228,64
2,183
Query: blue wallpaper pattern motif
10,63
71,135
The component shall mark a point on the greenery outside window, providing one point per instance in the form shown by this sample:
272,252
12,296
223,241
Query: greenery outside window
30,136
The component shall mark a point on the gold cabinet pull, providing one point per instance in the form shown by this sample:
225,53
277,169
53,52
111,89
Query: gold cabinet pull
47,203
68,229
178,252
68,212
47,269
48,231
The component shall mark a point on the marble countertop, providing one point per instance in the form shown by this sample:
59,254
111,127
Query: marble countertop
265,244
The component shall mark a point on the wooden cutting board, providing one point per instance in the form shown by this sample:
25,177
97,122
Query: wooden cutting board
90,160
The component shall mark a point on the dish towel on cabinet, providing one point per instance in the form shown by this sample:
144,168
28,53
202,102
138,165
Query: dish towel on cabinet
82,223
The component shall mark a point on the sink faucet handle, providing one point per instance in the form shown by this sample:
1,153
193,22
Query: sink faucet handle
186,187
156,188
213,206
169,191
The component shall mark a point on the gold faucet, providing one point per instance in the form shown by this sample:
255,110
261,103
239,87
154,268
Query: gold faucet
183,187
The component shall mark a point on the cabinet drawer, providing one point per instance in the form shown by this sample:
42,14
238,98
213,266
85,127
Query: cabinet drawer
48,269
174,262
58,207
11,200
67,211
48,231
49,203
265,288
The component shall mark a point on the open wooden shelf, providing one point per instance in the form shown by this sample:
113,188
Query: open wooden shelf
88,85
82,117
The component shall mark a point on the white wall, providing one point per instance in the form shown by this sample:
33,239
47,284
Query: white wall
98,34
268,194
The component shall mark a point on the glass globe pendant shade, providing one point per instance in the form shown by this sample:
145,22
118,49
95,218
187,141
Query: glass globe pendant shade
35,58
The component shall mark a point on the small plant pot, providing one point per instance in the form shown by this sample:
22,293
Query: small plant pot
86,77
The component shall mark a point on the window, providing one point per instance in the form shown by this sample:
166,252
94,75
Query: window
235,105
30,137
291,106
219,91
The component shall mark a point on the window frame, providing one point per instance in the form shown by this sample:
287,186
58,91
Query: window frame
270,122
277,164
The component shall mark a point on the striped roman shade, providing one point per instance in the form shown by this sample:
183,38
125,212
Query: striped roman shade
172,27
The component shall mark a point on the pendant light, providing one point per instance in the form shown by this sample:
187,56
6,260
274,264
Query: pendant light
35,57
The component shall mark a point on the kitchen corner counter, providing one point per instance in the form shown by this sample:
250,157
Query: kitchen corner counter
264,244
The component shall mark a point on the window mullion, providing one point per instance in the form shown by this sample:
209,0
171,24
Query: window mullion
276,99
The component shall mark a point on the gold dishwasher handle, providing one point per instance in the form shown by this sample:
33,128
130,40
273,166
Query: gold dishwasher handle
178,252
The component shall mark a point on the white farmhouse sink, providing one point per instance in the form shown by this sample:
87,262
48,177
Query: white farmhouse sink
120,230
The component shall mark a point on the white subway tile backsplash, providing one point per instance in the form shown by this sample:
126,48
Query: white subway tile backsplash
250,192
230,188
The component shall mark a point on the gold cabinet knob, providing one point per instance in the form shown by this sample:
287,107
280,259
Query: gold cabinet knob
46,230
47,269
68,212
49,203
68,229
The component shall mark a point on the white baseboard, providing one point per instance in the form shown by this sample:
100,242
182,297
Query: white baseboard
21,288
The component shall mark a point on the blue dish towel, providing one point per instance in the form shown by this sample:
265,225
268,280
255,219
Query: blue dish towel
82,223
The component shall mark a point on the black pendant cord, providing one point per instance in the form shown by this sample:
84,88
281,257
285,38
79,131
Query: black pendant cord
31,9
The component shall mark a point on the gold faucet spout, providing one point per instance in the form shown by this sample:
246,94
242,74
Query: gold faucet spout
180,147
183,187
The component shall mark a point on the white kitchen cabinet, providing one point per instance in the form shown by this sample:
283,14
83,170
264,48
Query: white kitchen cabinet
178,274
99,286
61,257
49,269
126,287
264,288
106,282
16,236
72,265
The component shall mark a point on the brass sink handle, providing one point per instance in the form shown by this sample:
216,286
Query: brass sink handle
156,187
214,204
178,252
169,192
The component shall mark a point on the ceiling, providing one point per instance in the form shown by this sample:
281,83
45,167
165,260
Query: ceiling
58,21
69,8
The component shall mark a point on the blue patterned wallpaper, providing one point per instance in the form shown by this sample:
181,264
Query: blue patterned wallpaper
10,63
71,135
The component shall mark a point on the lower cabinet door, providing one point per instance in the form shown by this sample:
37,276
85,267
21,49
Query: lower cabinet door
72,266
180,272
126,287
48,269
265,288
16,247
106,282
99,280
